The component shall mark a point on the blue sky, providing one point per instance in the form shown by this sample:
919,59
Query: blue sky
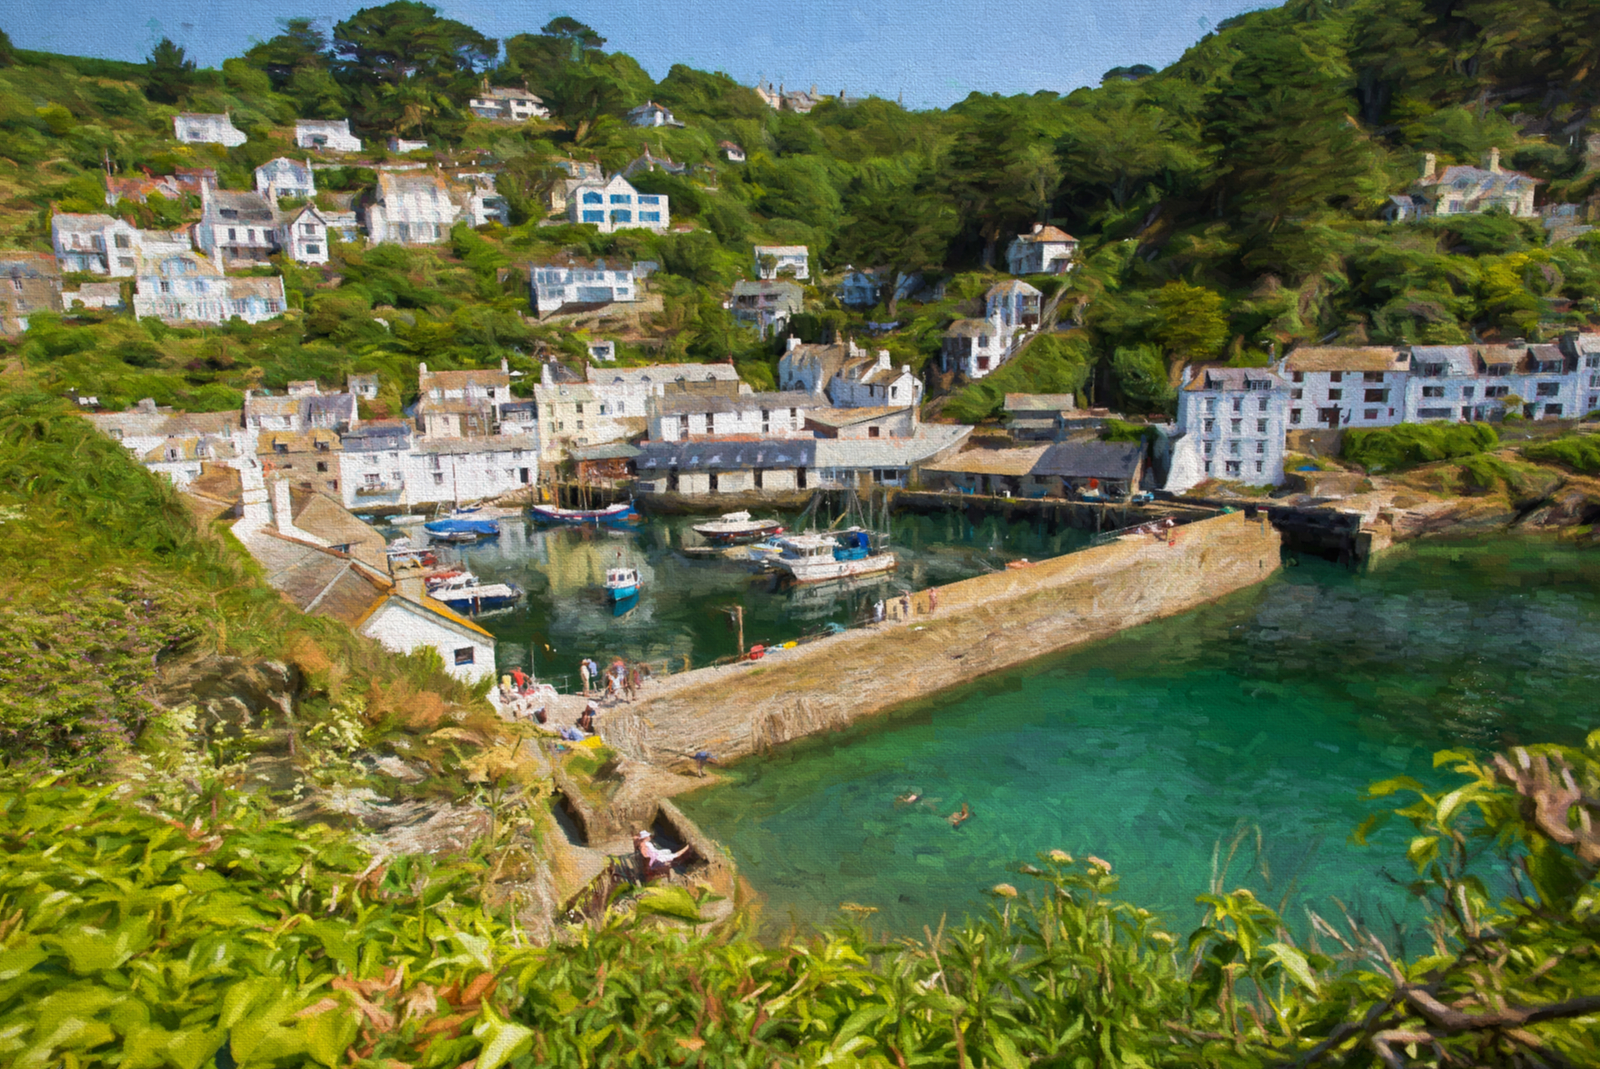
932,54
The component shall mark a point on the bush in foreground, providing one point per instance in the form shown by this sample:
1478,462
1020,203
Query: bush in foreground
1409,444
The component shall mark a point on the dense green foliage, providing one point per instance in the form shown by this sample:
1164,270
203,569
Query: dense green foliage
1408,444
135,938
1581,452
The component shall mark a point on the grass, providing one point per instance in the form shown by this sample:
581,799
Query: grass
1409,444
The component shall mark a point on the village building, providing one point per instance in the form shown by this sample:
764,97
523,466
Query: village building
372,463
282,177
810,367
992,472
895,461
731,152
326,135
652,114
141,187
776,261
453,470
870,380
727,466
500,104
858,289
603,351
606,464
188,288
403,145
146,425
1333,387
882,421
182,457
1464,190
195,128
105,245
304,235
799,101
479,194
461,404
568,280
306,456
411,208
615,205
94,296
682,415
1013,306
1231,425
364,385
236,229
1033,416
973,347
579,173
1047,250
767,306
1069,469
615,403
648,162
29,283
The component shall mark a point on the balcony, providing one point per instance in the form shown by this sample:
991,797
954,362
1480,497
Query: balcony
378,489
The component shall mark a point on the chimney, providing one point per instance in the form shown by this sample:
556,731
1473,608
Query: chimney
505,366
282,508
1037,227
422,369
1430,163
1494,160
147,406
794,343
884,359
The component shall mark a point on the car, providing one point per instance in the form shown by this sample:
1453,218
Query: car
1143,497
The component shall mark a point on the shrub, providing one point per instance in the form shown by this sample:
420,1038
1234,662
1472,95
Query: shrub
1581,453
1409,444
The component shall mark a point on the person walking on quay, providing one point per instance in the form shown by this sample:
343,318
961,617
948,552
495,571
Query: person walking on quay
583,672
933,599
877,611
905,605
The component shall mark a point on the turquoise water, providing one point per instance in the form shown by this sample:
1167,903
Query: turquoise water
1270,711
678,617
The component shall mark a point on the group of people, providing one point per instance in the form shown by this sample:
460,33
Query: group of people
901,607
1160,530
955,820
620,682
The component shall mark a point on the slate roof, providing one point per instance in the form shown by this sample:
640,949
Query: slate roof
681,403
1040,402
1105,460
844,417
317,513
993,461
1217,377
1457,359
971,328
249,207
1012,285
653,373
497,443
377,437
607,451
728,454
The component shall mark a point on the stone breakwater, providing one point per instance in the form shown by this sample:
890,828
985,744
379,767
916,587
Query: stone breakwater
976,626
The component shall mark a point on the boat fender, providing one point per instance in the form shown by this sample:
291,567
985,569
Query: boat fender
791,644
757,652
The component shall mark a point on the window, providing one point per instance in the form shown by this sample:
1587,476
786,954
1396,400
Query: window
322,466
122,242
1258,467
165,286
279,447
1299,376
1372,376
649,217
872,432
1209,448
308,229
1335,376
1334,395
1294,416
1261,448
1238,404
438,478
1211,425
1466,393
1370,413
594,217
1234,449
1235,426
466,655
1261,426
1376,395
1552,411
621,198
621,216
372,478
1233,467
313,250
1295,395
646,198
1211,405
1436,391
1547,389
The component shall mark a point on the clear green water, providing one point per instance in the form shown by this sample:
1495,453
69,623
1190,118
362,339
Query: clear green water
679,612
1271,710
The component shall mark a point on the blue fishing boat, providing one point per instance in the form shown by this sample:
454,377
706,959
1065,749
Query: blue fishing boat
464,593
447,529
618,513
622,583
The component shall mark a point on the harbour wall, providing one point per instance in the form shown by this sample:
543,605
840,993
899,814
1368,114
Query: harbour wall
977,626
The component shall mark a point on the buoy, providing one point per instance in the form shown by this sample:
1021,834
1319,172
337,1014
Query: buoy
757,652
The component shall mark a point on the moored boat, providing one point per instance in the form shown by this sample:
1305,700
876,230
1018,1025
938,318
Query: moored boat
621,512
465,593
621,583
736,528
404,554
813,558
455,528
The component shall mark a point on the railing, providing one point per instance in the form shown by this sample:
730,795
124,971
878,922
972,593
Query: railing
373,489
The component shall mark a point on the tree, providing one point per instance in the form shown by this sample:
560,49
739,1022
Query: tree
171,73
301,46
8,52
1001,170
1118,142
569,31
896,221
406,40
1190,323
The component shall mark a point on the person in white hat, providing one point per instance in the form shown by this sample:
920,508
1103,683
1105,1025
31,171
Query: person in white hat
656,861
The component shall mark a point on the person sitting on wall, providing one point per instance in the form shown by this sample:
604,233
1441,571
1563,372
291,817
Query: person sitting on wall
586,718
654,862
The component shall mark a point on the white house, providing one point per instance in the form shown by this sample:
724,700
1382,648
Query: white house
461,404
1013,305
652,114
1047,250
731,152
284,177
569,280
330,135
773,261
1459,382
507,105
1332,387
188,288
679,416
364,386
765,305
407,624
873,381
615,205
372,462
236,229
105,245
402,145
101,296
195,128
439,470
1231,425
973,347
480,196
303,235
411,209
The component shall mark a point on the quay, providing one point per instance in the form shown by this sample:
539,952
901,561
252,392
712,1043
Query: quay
978,626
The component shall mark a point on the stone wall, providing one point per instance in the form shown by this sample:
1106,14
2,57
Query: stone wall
979,626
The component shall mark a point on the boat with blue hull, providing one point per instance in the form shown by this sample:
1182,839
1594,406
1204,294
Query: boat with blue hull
461,529
621,583
620,513
466,594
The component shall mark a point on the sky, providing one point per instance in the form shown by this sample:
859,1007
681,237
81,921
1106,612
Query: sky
924,53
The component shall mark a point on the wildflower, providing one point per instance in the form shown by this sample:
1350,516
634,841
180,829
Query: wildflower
1099,863
1005,890
1061,856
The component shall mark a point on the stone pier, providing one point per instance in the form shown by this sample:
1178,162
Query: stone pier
977,626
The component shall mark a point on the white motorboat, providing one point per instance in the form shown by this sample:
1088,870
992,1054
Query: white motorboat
813,558
736,528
